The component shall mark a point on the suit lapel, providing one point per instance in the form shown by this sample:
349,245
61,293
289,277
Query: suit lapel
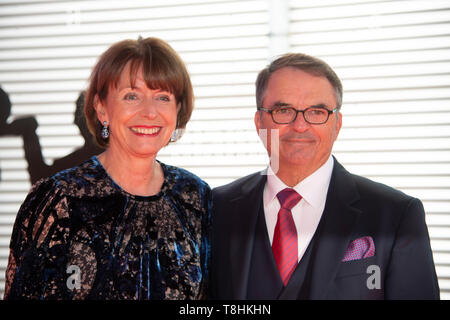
244,215
334,231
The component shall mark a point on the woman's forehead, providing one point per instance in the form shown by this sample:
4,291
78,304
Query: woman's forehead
130,78
133,76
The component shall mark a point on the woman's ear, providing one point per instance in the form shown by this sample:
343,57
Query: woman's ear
100,110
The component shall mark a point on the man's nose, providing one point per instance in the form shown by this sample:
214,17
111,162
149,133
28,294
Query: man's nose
300,123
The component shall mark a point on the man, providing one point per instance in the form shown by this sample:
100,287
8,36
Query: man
305,228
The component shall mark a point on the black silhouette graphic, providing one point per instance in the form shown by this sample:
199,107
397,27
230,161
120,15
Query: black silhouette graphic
26,127
21,126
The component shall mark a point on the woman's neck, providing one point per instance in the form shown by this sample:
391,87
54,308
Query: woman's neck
138,176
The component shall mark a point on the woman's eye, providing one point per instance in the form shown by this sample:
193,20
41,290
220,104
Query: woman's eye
164,98
131,97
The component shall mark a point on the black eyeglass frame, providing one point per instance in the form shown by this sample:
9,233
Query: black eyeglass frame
297,112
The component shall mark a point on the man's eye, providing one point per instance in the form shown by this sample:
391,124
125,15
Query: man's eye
283,111
317,112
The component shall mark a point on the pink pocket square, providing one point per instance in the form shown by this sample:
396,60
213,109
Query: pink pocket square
360,248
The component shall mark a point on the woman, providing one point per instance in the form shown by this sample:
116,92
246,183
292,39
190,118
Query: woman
122,225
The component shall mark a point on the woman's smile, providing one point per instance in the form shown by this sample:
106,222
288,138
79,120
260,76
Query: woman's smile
145,130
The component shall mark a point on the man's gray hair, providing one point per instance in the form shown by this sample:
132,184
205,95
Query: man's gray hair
303,62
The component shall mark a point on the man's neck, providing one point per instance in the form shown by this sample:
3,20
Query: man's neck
292,175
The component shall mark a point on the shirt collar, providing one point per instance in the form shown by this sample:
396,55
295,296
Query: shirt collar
313,188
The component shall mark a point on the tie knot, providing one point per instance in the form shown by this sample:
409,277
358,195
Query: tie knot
288,198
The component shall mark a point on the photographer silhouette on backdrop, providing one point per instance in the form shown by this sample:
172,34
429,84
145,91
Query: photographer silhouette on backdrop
26,127
37,167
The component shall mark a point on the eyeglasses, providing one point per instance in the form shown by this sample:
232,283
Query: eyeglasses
286,115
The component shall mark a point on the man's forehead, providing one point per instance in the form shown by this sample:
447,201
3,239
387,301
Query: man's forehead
289,75
292,86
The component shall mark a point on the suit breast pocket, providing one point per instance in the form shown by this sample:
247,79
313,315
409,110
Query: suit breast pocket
354,280
356,267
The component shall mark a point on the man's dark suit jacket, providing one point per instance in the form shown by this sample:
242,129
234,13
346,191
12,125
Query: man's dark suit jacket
355,207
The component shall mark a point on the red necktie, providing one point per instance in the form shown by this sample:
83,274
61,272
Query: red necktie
284,245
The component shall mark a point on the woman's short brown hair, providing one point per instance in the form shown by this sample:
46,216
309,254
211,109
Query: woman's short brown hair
162,69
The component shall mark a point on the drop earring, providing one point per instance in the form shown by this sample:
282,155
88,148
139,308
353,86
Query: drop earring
177,133
105,131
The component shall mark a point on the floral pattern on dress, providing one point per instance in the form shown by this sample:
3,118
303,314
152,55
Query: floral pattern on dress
125,246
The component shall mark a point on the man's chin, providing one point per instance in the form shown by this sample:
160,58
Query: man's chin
306,161
290,162
297,158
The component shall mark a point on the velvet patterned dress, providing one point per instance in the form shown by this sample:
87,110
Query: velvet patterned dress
78,235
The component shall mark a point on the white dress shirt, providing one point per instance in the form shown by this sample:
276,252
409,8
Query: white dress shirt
308,211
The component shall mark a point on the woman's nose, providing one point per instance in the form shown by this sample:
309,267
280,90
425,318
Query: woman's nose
149,108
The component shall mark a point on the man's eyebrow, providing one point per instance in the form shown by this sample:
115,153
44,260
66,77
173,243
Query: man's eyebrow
285,104
320,105
281,104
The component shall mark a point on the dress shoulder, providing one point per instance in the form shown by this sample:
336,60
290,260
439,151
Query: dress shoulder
43,218
187,188
40,233
183,176
41,208
88,179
